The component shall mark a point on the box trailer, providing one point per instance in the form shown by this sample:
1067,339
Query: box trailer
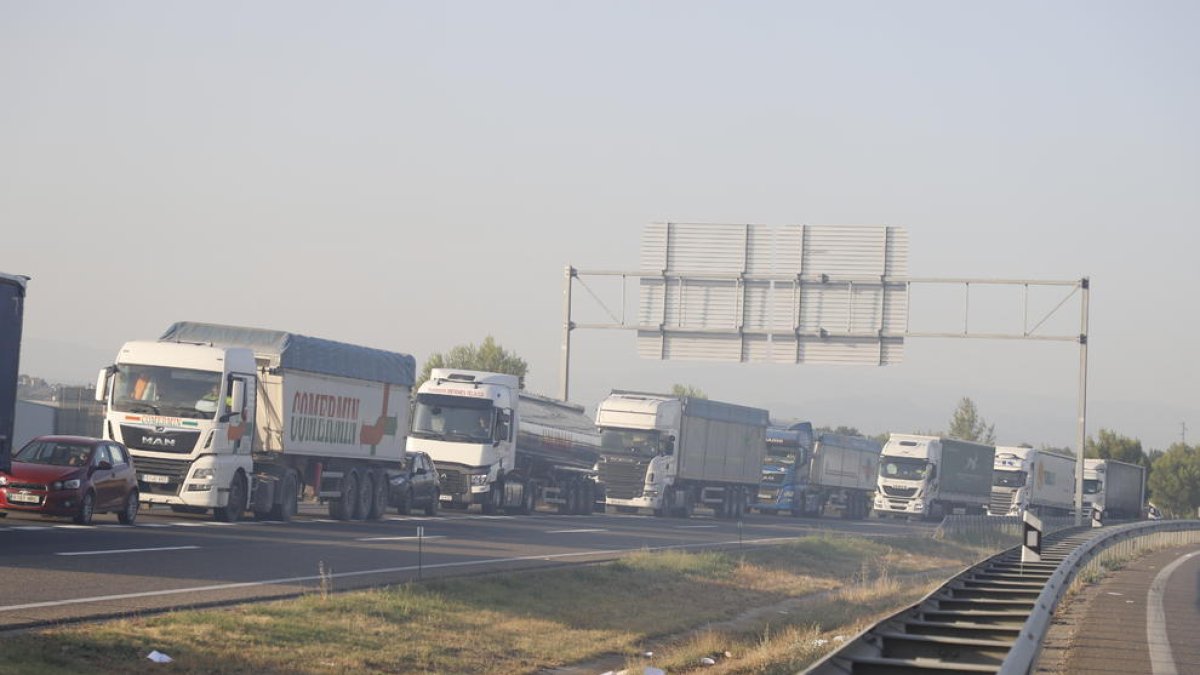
669,454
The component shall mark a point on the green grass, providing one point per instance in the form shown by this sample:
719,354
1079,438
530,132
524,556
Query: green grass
513,622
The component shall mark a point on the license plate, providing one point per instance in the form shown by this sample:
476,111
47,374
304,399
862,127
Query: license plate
446,498
24,499
154,478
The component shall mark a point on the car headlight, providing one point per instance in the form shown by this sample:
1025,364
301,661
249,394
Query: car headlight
204,474
72,484
479,479
3,479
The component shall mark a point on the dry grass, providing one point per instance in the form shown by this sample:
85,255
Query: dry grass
518,622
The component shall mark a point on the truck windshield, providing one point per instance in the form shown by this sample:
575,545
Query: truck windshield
162,390
636,442
903,468
1091,486
453,418
1013,479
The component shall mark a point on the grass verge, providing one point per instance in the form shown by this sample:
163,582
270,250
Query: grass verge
513,622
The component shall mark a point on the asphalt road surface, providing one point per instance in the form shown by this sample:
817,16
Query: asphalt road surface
1143,619
54,571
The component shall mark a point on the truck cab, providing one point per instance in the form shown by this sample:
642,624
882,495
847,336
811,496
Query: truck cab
907,475
186,414
1010,481
464,421
785,469
637,449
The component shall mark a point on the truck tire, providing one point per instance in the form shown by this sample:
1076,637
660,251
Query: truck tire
431,509
379,496
289,495
342,508
366,493
687,508
495,497
236,505
589,498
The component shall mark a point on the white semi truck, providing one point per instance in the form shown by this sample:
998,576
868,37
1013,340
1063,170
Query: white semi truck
1117,489
669,454
503,448
931,477
229,419
1028,479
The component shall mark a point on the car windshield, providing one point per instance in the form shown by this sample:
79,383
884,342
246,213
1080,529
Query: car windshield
453,418
1091,486
160,390
903,468
647,443
1014,479
54,453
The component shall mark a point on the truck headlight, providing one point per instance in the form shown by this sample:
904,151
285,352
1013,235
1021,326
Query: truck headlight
204,474
918,504
479,480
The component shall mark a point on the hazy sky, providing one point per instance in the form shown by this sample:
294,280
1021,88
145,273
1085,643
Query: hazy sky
412,176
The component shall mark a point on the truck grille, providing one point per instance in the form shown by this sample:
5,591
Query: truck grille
893,491
141,438
1001,501
174,469
452,481
622,479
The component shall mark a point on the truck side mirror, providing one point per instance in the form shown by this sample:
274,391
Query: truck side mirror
669,446
102,384
237,399
503,426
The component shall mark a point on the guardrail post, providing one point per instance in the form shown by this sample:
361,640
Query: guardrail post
1031,544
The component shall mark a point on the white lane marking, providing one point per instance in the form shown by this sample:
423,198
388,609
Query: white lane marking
130,550
693,527
408,538
594,529
31,528
189,524
72,527
384,570
1162,662
150,525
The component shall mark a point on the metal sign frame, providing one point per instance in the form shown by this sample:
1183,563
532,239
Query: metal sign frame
882,334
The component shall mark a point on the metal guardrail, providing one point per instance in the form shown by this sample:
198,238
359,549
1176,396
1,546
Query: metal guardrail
1124,541
993,616
980,526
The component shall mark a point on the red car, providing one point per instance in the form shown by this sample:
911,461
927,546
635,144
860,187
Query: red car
71,476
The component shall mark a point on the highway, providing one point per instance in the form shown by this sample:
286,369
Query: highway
55,571
1143,618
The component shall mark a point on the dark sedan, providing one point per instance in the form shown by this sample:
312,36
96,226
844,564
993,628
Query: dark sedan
416,485
71,476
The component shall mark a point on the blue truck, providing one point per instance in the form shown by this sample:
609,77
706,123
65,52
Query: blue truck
809,474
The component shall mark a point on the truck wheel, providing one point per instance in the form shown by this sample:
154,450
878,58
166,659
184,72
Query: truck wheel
495,497
431,509
404,506
528,497
567,494
342,508
589,498
287,507
238,494
687,509
378,497
739,506
366,492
